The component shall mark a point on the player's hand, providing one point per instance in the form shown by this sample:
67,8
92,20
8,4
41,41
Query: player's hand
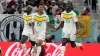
54,30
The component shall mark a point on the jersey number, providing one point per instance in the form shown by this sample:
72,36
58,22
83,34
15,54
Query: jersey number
67,21
39,23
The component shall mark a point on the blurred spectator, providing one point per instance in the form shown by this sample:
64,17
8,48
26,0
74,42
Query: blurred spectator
24,2
52,12
4,4
42,2
54,7
33,4
12,3
30,2
86,2
49,11
9,10
19,11
65,1
36,2
50,38
34,8
86,11
48,3
19,3
1,8
58,17
60,3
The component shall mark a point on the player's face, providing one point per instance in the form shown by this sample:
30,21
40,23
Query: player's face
68,7
29,9
41,8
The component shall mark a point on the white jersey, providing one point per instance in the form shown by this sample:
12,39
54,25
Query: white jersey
27,28
40,22
69,22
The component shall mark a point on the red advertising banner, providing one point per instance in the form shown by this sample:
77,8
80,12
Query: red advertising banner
53,49
15,49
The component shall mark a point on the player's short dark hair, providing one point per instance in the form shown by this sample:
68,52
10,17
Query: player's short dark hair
68,6
28,8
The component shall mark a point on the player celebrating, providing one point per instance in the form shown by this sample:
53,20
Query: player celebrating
40,22
70,28
27,34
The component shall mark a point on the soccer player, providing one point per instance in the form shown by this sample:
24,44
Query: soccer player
70,28
27,34
40,27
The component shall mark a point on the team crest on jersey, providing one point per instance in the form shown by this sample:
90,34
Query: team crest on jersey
67,16
11,24
40,18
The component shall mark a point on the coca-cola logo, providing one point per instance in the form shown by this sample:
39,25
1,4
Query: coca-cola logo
16,50
54,48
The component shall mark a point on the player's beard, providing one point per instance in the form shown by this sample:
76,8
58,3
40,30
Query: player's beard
68,10
28,12
40,12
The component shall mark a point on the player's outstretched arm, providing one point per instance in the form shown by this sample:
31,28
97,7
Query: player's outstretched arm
77,27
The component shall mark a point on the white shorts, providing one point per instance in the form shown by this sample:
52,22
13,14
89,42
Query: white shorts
29,34
34,37
40,35
72,37
27,31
